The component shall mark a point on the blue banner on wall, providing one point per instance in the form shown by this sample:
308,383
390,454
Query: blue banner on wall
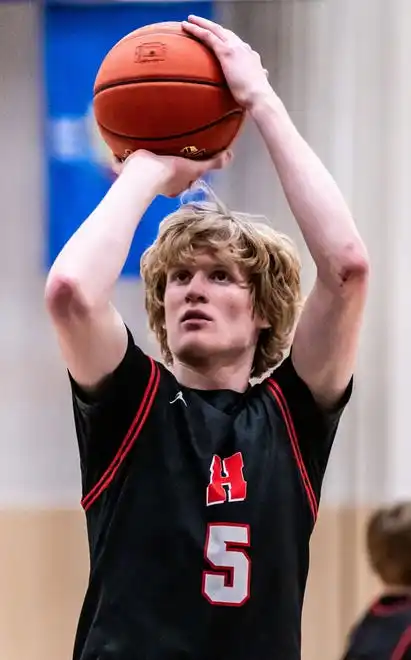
77,37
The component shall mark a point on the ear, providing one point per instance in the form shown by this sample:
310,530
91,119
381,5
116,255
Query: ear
262,324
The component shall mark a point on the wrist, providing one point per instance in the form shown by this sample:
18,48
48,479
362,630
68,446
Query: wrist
144,167
266,102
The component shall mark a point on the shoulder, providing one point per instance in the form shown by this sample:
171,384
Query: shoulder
291,392
135,376
111,421
130,391
134,364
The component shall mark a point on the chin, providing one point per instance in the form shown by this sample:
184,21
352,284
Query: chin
194,349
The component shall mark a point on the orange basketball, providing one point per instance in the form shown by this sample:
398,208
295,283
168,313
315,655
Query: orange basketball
162,90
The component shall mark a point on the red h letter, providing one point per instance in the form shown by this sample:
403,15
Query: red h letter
229,473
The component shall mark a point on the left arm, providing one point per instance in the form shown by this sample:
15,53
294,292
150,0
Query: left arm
326,339
327,335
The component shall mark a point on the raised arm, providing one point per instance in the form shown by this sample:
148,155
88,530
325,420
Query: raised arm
326,339
91,333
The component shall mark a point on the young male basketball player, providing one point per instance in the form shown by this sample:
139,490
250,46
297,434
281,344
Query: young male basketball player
384,631
201,491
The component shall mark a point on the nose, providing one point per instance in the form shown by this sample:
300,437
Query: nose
197,289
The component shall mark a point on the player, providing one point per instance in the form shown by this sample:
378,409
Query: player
384,631
200,490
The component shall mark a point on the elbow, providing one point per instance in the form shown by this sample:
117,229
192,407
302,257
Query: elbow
348,271
354,265
63,296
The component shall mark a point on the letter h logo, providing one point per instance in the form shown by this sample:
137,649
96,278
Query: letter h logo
226,480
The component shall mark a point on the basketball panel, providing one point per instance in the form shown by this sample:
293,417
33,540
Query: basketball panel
162,56
161,110
200,145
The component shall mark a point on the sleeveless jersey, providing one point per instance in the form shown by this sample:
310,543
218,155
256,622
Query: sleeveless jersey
199,509
384,632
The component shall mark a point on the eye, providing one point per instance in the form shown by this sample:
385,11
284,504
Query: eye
181,276
220,276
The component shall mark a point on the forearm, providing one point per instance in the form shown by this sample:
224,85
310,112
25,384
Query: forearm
93,258
312,194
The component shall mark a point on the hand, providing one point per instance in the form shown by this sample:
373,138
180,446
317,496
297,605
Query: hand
174,174
241,65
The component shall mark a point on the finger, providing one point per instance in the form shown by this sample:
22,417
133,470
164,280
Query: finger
205,23
116,164
203,34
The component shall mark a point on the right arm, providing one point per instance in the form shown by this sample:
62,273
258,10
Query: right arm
91,334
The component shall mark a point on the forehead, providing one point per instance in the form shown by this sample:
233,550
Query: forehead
206,259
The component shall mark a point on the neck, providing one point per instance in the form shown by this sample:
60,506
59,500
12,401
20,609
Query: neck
213,376
396,590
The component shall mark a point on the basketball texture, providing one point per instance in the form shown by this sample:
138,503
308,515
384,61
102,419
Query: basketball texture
162,90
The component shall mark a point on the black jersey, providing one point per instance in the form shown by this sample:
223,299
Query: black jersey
199,508
384,632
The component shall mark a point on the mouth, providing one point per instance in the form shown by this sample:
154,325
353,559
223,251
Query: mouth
195,315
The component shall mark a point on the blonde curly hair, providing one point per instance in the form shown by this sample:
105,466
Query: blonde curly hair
268,259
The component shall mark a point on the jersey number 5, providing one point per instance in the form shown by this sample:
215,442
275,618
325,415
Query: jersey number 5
228,583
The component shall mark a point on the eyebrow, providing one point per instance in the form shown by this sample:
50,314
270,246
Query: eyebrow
230,265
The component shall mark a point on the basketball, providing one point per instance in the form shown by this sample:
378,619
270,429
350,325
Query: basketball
162,90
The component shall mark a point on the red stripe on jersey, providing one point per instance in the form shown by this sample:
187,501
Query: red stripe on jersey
277,393
129,440
403,645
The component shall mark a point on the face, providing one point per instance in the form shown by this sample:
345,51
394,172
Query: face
208,311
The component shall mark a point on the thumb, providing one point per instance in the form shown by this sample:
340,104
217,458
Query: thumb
219,162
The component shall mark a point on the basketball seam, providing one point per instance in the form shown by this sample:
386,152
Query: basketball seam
137,81
177,135
155,33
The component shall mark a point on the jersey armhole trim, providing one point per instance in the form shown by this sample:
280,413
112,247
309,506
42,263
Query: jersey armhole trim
278,395
403,645
129,440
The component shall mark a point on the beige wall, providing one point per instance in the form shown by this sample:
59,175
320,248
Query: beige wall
342,67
